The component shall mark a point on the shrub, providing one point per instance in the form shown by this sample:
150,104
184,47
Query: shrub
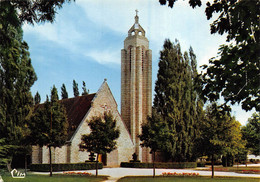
200,164
215,163
65,166
173,165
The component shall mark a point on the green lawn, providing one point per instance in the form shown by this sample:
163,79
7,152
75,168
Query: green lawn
250,170
54,178
185,179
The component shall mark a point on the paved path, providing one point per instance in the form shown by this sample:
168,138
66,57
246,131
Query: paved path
117,173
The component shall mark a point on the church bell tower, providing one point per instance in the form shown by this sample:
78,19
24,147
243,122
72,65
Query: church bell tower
136,84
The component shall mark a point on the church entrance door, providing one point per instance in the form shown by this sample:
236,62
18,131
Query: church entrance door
104,159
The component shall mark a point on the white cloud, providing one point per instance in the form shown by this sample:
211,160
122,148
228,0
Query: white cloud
71,31
105,56
62,33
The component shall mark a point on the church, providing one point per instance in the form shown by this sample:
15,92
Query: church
136,105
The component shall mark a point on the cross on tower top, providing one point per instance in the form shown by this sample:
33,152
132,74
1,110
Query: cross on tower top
136,12
136,17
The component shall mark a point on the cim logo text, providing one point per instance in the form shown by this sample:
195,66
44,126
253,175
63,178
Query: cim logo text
17,174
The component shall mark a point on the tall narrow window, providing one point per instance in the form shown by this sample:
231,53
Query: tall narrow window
130,57
143,59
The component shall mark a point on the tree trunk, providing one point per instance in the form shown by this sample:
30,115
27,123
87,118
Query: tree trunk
25,163
212,166
153,164
97,165
226,162
9,165
246,159
50,161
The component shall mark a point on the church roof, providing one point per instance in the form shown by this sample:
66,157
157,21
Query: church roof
76,109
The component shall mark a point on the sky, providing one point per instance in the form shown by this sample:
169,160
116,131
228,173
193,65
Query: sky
85,41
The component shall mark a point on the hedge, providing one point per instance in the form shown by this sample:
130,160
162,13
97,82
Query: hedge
65,166
173,165
216,163
200,164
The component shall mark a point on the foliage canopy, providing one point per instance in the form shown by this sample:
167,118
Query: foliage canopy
102,138
220,134
235,73
176,99
16,78
52,119
251,133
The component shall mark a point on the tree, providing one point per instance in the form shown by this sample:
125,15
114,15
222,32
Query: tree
251,133
221,134
176,98
64,93
52,118
236,144
16,78
4,149
75,88
35,11
102,138
30,11
16,72
37,98
156,135
85,91
234,74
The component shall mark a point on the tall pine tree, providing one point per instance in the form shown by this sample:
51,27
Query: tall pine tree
85,91
37,98
64,93
16,78
176,99
75,88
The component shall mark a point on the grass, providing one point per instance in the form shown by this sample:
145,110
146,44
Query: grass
54,178
185,179
247,170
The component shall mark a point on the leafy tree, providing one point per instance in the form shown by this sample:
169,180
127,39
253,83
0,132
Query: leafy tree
85,91
75,88
51,116
221,134
16,78
176,98
155,135
102,138
37,98
30,11
36,11
234,74
16,72
64,93
235,143
251,133
4,150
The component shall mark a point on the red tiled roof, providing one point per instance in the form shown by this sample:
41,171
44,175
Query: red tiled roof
76,109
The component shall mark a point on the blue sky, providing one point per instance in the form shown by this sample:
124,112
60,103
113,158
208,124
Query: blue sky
85,41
